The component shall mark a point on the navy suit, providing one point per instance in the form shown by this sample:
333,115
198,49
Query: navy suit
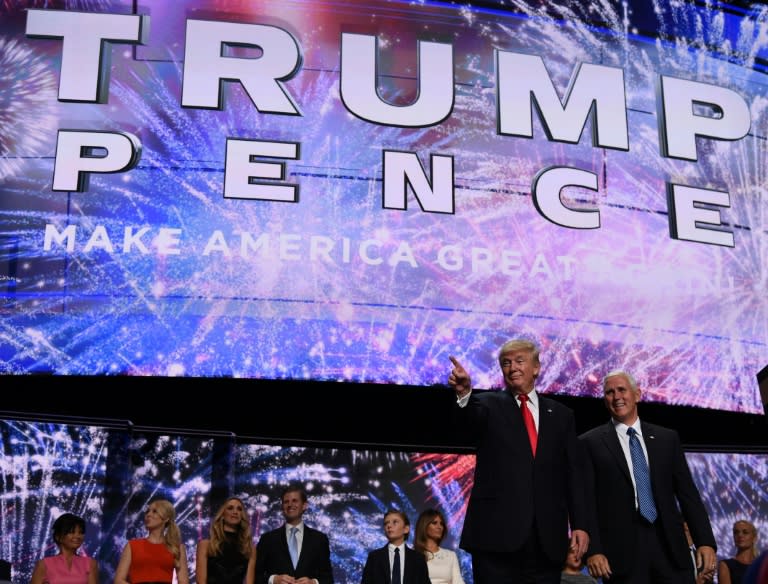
378,571
273,557
610,482
516,498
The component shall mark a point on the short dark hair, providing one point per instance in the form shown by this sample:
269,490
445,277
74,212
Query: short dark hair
294,489
401,515
67,523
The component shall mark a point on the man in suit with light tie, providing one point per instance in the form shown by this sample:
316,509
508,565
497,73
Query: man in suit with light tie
643,491
293,553
528,480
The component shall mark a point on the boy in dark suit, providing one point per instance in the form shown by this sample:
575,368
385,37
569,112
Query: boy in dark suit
395,563
294,553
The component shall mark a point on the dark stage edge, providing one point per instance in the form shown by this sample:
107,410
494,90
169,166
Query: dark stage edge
334,414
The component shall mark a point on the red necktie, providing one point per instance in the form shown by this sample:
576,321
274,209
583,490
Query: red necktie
530,425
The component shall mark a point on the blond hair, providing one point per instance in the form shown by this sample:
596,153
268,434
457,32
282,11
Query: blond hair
751,525
520,345
244,541
171,533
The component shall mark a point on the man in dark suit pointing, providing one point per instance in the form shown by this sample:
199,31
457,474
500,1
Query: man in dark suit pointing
528,480
643,491
294,553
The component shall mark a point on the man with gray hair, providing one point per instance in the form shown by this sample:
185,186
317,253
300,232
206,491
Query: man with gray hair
643,491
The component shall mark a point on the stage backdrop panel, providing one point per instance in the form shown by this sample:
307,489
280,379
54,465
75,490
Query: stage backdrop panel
108,476
354,191
47,469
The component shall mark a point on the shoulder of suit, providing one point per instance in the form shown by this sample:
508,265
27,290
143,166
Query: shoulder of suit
274,532
596,431
316,532
553,404
488,393
649,428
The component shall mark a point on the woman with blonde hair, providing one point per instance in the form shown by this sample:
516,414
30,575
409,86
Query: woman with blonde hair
154,558
442,564
732,570
229,556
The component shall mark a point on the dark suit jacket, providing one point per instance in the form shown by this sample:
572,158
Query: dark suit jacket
512,491
614,498
377,570
272,556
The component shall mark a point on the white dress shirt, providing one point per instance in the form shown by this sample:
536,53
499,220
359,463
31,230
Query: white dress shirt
299,541
392,548
621,432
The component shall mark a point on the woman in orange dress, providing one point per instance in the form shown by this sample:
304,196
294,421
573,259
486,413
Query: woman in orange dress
153,559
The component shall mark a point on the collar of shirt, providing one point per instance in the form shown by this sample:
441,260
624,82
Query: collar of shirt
533,406
621,428
392,549
533,401
299,533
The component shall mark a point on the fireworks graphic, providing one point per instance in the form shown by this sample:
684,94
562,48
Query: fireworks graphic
47,470
108,475
27,89
153,272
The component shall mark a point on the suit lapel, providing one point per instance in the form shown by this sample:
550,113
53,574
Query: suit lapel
284,547
515,417
545,419
652,448
407,566
611,441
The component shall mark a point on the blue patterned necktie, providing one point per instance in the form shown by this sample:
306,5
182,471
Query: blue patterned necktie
645,502
396,567
293,547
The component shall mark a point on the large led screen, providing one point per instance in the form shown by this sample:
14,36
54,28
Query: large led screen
354,191
49,469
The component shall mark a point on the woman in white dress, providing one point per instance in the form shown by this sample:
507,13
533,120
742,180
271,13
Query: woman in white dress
443,564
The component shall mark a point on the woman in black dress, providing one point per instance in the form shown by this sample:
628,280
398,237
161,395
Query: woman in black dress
732,570
229,556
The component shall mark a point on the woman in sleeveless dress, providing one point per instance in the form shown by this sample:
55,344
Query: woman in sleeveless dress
153,559
67,567
732,570
229,556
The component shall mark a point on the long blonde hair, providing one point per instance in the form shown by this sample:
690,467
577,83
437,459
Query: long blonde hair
244,540
171,533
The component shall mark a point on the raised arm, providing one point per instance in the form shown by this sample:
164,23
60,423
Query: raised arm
459,379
